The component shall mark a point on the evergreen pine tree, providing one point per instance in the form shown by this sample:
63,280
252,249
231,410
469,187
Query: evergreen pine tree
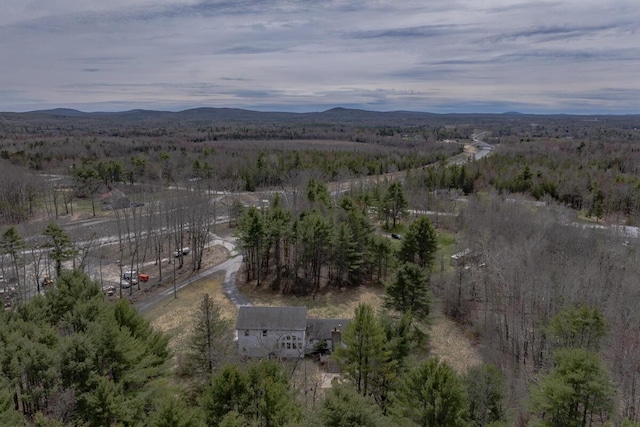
432,395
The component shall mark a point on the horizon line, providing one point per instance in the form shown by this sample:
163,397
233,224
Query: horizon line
284,111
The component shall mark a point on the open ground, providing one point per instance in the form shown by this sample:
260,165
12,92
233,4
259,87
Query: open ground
174,316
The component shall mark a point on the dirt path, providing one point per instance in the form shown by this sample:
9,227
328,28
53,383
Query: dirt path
449,342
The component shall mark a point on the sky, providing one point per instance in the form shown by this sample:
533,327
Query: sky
441,56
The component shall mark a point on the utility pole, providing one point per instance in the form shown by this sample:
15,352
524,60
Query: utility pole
175,290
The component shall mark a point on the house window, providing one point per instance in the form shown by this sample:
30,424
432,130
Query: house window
264,332
246,332
291,342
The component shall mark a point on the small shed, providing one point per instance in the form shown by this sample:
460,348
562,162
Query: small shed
115,199
461,258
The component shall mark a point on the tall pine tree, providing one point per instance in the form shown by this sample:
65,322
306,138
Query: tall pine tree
364,359
432,395
409,291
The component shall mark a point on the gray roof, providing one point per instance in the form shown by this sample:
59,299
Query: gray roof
320,329
272,318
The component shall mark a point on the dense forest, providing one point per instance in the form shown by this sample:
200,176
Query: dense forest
544,282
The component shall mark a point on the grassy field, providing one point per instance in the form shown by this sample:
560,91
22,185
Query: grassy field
446,248
449,342
174,315
332,303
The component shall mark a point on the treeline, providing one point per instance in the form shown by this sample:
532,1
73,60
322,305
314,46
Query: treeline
43,147
246,166
144,232
322,242
71,358
526,266
443,177
600,178
587,163
528,128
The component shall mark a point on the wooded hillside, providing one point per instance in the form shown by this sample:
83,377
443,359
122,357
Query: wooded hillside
544,282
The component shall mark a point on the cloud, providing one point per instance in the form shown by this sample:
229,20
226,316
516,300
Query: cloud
248,50
421,32
564,33
303,54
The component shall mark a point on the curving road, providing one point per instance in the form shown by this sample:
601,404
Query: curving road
230,267
484,149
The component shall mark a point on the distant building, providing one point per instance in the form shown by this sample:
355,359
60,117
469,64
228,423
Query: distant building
461,258
115,199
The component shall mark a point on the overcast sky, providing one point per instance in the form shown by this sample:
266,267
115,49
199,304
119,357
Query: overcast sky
573,56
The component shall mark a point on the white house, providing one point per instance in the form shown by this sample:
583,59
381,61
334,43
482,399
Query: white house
285,332
271,331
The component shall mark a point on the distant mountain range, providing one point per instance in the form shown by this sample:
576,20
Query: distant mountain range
236,115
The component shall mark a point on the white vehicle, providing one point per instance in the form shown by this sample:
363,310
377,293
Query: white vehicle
184,251
130,274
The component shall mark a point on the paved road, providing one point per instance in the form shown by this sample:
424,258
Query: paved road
230,267
484,149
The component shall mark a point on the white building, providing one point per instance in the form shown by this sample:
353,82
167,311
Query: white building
272,331
285,332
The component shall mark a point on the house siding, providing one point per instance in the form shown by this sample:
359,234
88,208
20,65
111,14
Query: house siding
271,331
284,332
275,343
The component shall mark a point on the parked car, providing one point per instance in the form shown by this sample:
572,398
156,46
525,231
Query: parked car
396,236
131,276
183,251
125,284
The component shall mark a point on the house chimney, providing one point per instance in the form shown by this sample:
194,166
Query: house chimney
336,339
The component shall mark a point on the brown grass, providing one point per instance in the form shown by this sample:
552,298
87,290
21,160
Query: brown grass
449,343
447,340
330,303
174,316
